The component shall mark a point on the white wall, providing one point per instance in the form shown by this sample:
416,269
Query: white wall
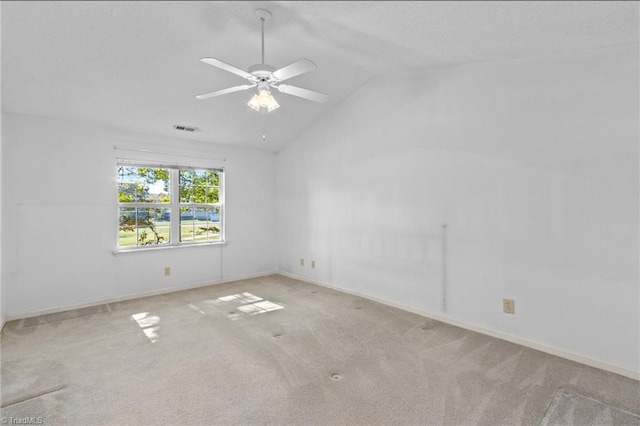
532,164
60,218
2,317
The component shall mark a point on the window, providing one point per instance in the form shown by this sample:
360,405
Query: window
168,206
199,205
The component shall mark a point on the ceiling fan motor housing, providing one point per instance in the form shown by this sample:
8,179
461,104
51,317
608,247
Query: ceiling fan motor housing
262,72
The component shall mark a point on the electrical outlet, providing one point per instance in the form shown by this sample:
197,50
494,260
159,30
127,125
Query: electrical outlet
167,271
313,264
302,261
508,306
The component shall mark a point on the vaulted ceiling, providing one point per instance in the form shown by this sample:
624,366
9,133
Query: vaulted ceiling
135,65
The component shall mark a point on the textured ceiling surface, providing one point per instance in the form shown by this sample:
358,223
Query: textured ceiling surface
135,65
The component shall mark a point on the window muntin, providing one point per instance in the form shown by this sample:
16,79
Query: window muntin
146,207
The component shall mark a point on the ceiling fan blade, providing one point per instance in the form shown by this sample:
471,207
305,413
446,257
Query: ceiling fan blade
303,93
300,66
225,66
225,91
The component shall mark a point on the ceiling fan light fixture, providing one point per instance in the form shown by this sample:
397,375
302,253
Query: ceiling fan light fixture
266,77
263,100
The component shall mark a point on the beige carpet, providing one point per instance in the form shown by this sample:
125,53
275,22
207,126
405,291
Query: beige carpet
275,350
572,409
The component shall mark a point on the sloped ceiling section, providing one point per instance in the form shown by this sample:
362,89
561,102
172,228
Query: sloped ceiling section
135,65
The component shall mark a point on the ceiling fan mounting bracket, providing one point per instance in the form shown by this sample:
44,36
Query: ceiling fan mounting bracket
263,14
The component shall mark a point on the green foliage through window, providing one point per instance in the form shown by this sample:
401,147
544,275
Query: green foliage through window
199,186
145,204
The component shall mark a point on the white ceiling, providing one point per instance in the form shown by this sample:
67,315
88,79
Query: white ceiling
135,65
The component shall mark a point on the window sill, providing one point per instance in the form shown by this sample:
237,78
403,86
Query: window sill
168,247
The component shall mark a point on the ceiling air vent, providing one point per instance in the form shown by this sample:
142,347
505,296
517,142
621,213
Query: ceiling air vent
185,128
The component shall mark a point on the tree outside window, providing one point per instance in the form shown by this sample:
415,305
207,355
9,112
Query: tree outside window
149,214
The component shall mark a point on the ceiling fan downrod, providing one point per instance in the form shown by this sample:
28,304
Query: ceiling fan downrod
263,15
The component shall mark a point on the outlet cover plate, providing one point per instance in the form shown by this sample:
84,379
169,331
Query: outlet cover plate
508,306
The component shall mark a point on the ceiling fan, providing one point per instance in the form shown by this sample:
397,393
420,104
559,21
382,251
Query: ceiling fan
265,77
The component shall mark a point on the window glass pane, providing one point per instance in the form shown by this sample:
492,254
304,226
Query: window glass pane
199,224
212,178
142,227
127,228
213,224
186,185
196,186
199,194
214,214
131,193
163,231
150,232
165,216
143,185
207,224
187,224
212,195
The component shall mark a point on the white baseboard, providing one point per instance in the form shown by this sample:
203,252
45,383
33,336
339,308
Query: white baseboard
133,296
562,353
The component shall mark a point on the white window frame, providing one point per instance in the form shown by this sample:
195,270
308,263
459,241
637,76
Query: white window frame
174,206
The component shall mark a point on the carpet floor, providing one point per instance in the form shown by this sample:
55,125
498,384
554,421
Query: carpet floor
274,350
573,409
